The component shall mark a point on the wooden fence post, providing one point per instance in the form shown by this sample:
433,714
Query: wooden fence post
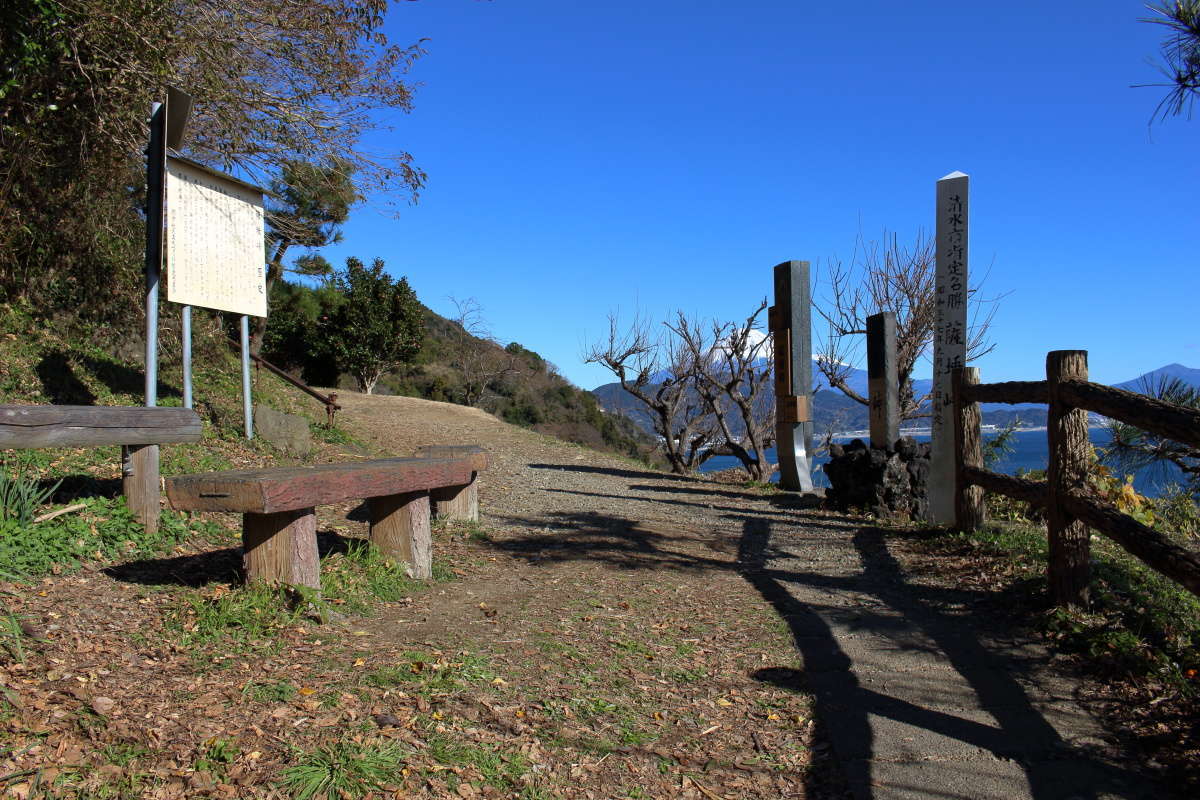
968,499
1067,473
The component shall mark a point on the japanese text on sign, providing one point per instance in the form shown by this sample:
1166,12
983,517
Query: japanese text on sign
214,242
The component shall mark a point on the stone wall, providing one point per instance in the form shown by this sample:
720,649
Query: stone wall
887,483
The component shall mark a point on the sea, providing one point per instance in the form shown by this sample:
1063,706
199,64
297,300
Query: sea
1029,452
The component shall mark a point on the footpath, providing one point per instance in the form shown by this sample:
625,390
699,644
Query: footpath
914,693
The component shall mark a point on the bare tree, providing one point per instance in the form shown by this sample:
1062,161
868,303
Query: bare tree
730,372
888,277
658,371
478,355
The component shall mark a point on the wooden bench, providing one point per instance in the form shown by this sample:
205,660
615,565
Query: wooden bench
138,429
279,523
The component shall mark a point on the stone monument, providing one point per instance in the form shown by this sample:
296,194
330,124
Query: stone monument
790,321
950,339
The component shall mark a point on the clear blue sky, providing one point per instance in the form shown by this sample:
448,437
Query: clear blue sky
656,155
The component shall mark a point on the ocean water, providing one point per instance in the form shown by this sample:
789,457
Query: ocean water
1030,452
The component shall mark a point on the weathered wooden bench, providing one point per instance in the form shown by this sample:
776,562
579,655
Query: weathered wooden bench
138,429
279,523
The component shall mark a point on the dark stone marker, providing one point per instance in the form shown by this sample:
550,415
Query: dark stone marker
883,392
792,330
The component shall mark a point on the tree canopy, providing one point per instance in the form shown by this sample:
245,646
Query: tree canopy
1180,53
275,85
378,324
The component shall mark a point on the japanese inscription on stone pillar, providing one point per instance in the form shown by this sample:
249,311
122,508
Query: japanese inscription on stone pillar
950,338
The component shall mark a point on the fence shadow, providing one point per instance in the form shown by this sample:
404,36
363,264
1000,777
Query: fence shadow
1011,727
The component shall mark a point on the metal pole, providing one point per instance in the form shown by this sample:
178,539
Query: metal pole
156,156
247,403
187,356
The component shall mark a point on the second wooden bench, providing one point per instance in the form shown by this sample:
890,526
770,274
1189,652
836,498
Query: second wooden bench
278,506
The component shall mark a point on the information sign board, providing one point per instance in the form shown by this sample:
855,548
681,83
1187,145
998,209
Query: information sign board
215,240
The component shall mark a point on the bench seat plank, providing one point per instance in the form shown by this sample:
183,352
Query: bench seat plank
23,427
269,491
476,455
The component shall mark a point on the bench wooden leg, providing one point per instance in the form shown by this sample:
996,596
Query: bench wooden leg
139,469
282,548
400,529
458,503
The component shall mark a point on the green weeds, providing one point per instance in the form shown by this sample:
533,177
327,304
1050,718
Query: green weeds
346,768
246,617
104,530
431,675
361,575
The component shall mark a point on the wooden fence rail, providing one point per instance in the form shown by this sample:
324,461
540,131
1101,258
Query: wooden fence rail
1070,503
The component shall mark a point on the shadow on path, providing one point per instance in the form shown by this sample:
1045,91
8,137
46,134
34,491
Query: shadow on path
998,740
215,566
613,471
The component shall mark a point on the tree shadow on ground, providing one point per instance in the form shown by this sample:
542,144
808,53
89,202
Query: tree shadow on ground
222,566
737,511
121,379
1004,720
615,472
59,382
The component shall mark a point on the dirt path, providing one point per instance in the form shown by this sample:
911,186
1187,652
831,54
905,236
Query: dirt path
910,687
607,633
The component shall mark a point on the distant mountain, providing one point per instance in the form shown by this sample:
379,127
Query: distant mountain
1186,374
833,410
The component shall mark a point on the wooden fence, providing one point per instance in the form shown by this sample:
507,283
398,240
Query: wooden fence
1070,503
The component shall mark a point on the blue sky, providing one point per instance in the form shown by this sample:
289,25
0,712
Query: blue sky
588,158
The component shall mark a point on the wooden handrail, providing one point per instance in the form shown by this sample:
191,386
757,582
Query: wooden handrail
1008,392
1155,550
1032,492
330,401
1178,423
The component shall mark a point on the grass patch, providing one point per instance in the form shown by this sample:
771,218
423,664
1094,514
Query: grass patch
432,674
346,768
362,575
241,618
502,770
219,752
12,637
273,692
331,434
103,531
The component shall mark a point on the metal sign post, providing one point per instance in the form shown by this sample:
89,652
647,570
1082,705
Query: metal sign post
790,321
247,402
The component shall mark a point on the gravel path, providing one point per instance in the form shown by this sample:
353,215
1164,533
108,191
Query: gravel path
913,691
